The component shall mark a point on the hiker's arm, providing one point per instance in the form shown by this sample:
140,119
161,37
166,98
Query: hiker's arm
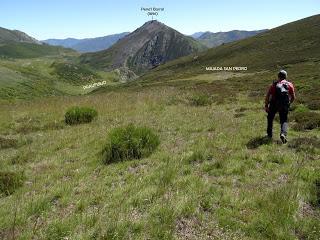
293,97
267,99
292,93
268,96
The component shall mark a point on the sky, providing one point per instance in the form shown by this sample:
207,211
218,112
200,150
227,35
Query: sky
45,19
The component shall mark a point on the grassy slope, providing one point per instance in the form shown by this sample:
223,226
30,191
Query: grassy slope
30,50
294,47
25,70
289,44
47,76
201,183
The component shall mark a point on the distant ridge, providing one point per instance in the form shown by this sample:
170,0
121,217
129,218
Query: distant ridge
196,35
211,39
7,35
87,44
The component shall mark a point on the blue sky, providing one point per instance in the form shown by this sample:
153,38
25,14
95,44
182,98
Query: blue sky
44,19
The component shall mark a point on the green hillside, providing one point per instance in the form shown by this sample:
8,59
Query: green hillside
30,50
74,73
30,78
289,44
294,47
29,69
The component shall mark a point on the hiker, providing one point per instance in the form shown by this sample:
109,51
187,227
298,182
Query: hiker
279,97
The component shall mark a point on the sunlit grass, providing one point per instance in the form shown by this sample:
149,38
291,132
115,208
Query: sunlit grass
201,182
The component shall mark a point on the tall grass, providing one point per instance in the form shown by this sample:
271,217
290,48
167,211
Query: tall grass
130,142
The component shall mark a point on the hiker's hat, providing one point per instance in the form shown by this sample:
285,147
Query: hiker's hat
282,74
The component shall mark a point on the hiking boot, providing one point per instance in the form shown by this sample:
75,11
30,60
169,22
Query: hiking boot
283,138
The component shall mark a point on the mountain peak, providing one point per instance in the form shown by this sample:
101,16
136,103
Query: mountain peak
148,46
154,22
153,25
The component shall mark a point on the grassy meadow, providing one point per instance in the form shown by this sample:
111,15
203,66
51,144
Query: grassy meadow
213,176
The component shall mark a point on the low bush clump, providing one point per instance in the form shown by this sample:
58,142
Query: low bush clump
200,100
300,108
306,144
10,181
258,141
130,142
78,115
74,73
8,142
314,104
28,124
13,142
306,120
241,109
22,157
239,115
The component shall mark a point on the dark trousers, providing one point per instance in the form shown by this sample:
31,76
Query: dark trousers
283,114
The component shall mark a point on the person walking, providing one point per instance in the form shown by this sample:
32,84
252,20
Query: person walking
280,95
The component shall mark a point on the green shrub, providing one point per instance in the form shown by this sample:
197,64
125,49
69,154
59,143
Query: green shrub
130,142
77,115
10,181
306,120
301,108
200,100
